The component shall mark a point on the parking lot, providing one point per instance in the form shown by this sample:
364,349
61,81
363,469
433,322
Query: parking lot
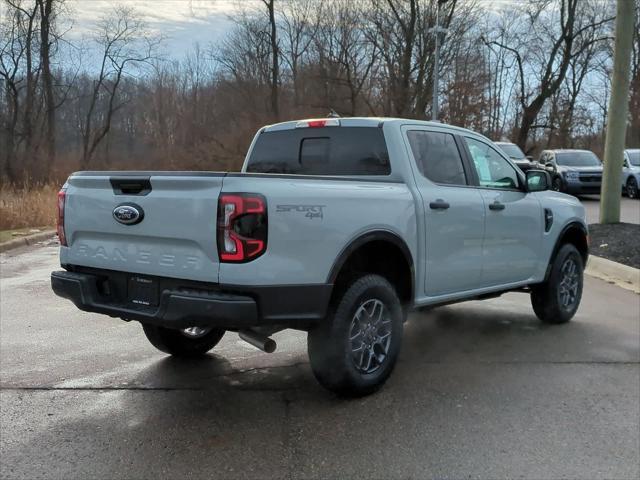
629,209
482,390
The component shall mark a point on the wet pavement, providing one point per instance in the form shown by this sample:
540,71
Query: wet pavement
482,390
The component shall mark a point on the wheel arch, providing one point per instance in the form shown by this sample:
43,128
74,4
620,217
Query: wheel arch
396,265
574,233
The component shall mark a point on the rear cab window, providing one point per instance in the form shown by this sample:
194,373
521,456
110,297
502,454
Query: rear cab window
321,151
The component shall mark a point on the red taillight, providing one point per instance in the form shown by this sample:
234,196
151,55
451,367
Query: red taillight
60,224
242,226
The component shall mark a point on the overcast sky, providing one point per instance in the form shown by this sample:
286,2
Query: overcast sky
182,22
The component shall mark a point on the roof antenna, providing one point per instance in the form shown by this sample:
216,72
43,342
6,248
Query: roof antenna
333,114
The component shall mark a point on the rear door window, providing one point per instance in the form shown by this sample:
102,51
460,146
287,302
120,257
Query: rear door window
437,157
321,151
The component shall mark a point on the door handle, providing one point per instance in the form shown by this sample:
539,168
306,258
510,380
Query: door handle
439,204
496,206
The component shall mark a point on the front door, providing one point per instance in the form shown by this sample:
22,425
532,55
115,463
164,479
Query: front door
454,213
513,218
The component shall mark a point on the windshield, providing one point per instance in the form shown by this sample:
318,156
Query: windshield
634,157
512,150
577,159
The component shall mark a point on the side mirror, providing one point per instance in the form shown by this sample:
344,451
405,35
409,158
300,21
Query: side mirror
550,165
529,157
538,180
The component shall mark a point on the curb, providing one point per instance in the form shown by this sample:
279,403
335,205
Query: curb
26,240
614,272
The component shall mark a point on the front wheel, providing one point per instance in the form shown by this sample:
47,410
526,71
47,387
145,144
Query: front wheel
557,299
632,188
354,350
186,342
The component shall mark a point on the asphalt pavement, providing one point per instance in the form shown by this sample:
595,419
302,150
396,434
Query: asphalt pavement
629,209
482,390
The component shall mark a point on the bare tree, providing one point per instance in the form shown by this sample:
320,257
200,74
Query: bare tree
275,57
550,39
535,70
401,32
46,19
27,17
12,51
395,25
580,66
344,58
300,22
126,46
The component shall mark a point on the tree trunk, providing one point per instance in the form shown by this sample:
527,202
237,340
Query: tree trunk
618,108
11,93
45,52
27,121
529,115
275,67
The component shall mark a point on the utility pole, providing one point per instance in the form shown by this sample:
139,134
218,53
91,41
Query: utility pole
617,115
436,61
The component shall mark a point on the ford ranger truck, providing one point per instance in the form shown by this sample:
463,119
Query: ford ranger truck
338,227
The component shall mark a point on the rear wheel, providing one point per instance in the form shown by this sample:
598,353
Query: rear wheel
557,300
632,188
186,342
355,349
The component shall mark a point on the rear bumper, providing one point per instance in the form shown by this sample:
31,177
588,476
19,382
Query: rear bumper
184,304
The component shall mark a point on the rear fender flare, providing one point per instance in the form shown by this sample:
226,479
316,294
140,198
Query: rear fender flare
376,235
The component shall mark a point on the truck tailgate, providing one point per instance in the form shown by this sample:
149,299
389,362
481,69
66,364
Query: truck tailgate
176,237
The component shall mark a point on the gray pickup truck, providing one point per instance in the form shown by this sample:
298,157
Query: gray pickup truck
337,227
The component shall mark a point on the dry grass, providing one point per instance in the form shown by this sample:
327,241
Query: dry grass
28,206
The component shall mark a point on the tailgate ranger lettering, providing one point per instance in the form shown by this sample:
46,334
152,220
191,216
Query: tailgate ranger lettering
141,257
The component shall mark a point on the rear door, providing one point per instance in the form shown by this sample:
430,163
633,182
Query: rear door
513,218
453,209
175,235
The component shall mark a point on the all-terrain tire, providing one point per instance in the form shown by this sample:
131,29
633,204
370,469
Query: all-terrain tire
339,355
179,344
557,299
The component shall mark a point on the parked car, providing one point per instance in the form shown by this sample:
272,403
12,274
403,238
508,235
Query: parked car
338,227
573,171
517,156
631,172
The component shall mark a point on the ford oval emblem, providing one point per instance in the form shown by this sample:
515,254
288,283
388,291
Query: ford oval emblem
128,213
